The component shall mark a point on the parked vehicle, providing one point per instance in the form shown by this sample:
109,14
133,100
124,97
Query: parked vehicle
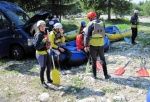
15,25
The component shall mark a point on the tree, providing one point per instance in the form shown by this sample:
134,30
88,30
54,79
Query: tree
58,7
121,7
101,6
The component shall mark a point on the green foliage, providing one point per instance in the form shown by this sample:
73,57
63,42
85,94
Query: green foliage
107,90
146,8
121,8
57,7
69,27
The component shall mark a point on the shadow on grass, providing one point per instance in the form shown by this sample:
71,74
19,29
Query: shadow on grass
25,66
136,82
81,92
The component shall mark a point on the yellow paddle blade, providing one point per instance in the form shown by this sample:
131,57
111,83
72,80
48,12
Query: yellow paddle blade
55,76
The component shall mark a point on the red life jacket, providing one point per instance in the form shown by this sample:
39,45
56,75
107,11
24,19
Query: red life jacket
79,42
46,36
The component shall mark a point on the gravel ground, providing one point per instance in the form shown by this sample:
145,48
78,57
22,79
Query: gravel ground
20,79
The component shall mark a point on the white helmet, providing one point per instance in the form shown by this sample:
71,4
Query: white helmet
40,22
58,25
136,11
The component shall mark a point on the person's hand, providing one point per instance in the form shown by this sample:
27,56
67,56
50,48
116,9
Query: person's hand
48,43
86,49
61,49
61,31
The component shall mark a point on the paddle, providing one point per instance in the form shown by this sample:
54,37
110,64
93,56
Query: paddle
54,72
125,39
87,66
121,70
142,72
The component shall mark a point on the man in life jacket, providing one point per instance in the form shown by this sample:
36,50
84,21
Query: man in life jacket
57,40
134,26
94,36
51,22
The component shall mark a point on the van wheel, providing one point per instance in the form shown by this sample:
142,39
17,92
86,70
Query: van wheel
17,53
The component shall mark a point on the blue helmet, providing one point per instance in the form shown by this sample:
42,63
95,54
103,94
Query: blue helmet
83,23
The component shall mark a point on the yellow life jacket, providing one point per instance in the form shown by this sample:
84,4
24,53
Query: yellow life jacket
97,38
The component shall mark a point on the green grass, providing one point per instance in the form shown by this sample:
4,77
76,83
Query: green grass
107,90
78,82
3,61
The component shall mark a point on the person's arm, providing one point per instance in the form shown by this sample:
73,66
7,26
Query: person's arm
87,35
52,38
38,44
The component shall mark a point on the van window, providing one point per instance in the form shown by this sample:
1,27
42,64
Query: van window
4,23
19,18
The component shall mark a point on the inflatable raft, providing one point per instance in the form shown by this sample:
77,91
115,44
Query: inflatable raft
114,34
71,35
106,44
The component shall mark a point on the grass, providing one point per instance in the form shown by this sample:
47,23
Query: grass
107,90
3,61
78,82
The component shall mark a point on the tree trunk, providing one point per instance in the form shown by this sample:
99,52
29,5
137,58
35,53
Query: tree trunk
109,9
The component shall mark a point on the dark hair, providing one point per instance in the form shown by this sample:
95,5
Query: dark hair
50,16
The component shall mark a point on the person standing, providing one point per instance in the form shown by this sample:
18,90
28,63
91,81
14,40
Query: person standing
40,44
57,40
95,39
134,26
51,22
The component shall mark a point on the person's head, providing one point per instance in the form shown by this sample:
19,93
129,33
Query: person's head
41,25
136,12
83,23
50,16
58,27
55,16
91,15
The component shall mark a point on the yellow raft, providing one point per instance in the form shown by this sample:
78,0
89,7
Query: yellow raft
71,35
115,37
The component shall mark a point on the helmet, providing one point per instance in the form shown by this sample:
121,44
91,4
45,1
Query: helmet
83,23
58,25
136,11
91,15
50,16
40,22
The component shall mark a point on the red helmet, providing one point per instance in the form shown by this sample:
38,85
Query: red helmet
91,15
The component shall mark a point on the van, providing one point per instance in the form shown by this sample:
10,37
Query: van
16,39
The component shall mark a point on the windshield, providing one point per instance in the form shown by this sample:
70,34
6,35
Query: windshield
19,18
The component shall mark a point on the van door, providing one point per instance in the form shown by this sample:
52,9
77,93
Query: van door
5,35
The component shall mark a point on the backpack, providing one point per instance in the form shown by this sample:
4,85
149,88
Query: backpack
98,29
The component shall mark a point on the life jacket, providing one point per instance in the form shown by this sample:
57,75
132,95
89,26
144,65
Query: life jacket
41,49
98,30
135,24
98,33
47,40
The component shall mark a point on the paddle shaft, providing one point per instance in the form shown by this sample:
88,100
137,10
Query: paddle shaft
50,50
127,64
